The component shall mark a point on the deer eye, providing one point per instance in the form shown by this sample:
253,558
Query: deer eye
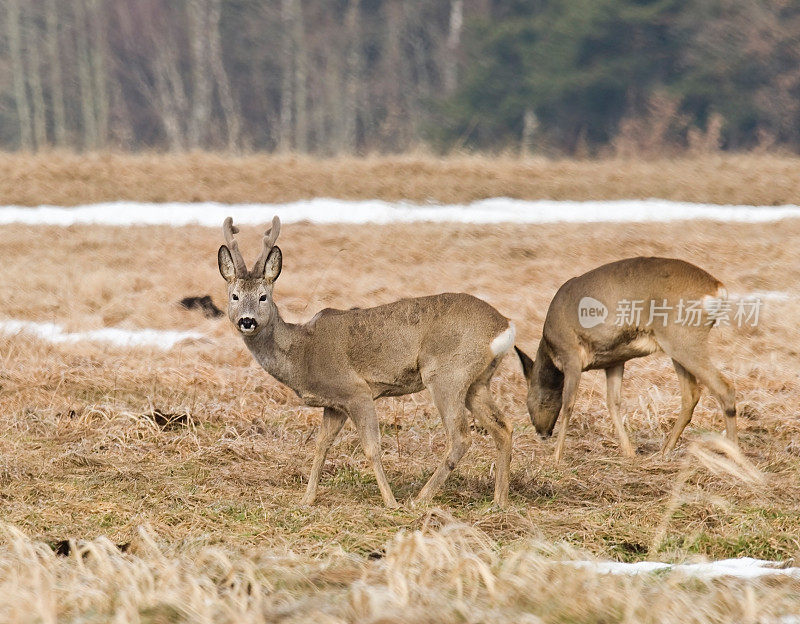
262,298
235,297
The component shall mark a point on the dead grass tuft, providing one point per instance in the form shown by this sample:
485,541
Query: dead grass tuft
452,573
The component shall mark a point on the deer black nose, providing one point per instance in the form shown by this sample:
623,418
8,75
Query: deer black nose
247,323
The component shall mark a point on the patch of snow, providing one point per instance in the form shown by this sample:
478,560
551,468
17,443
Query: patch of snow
744,567
325,210
114,335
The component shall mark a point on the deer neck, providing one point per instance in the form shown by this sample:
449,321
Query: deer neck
274,346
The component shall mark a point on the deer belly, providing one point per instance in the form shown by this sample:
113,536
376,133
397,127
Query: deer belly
640,346
313,400
405,382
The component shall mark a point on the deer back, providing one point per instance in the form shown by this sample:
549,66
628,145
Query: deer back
392,345
620,310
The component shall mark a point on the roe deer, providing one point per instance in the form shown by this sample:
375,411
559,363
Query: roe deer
662,305
341,360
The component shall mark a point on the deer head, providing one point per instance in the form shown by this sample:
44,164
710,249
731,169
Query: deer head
545,384
250,305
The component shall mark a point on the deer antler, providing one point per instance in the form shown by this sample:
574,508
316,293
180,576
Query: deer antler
228,230
270,236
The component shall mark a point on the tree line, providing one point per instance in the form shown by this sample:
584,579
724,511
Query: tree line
575,77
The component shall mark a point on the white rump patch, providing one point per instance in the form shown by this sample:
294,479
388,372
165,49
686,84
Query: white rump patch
503,343
112,335
713,304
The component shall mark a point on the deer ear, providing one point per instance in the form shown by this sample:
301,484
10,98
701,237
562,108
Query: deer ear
527,363
273,264
226,266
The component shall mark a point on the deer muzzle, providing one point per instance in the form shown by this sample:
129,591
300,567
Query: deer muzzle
247,325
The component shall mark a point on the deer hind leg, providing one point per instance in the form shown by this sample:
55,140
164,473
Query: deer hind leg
572,378
484,409
690,395
723,391
332,422
697,362
450,401
362,413
614,402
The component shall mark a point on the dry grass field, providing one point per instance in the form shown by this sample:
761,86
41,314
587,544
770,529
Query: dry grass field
209,505
68,179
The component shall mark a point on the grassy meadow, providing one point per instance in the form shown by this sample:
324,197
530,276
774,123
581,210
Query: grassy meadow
68,179
207,507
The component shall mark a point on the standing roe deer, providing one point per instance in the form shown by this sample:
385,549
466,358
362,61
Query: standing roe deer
577,337
342,360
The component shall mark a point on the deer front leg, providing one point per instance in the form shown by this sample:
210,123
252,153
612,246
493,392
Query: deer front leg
572,377
614,401
332,422
362,413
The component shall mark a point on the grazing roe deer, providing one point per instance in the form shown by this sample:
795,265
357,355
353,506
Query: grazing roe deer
575,340
342,360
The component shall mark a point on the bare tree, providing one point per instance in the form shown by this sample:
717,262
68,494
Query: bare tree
120,126
56,75
529,125
397,125
293,130
300,78
32,41
201,83
13,23
453,44
420,57
150,44
170,94
98,53
287,77
228,104
349,122
84,67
